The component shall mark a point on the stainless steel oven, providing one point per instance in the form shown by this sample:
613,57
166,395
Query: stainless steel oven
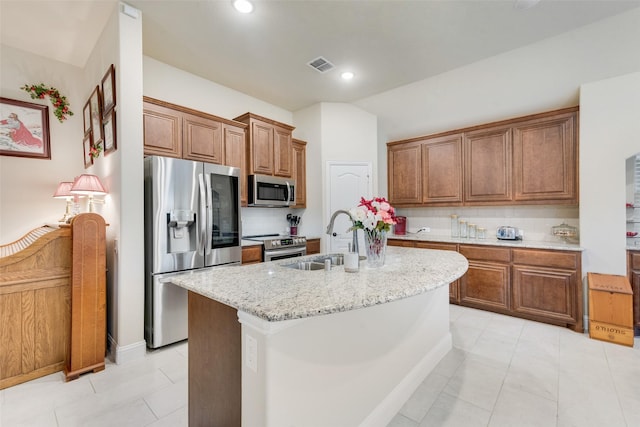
275,247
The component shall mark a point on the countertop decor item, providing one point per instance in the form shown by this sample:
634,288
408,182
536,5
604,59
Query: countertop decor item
375,217
59,101
565,232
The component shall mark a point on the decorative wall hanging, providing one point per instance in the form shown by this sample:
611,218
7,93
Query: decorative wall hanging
87,144
109,90
110,140
57,100
24,129
109,110
92,121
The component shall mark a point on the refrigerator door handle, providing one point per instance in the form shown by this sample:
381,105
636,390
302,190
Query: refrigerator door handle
209,208
203,215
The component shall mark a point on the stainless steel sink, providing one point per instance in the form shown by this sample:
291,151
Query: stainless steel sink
306,265
336,259
317,263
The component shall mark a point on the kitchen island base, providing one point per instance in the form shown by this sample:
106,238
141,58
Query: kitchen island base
344,369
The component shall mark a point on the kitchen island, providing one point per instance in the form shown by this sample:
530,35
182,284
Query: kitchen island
273,346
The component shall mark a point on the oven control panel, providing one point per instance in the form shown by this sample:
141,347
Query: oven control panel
285,242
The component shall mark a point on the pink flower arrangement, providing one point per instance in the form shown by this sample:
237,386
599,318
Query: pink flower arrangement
375,214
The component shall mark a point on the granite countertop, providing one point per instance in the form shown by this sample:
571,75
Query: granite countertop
245,242
492,241
275,293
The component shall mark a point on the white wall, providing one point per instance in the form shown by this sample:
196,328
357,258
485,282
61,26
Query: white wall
309,128
27,185
609,134
191,91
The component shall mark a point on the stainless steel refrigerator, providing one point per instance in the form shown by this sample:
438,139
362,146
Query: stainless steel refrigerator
192,221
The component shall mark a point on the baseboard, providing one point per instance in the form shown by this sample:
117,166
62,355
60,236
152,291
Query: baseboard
121,354
390,405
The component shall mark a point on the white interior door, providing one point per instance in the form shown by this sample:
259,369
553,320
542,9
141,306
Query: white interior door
348,181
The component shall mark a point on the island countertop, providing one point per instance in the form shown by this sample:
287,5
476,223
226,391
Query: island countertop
276,293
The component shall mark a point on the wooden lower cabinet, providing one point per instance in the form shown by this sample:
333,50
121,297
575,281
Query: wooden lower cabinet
251,254
486,285
633,267
537,284
547,286
454,292
313,246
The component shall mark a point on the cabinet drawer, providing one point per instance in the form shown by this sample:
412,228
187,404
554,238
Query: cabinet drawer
439,246
401,243
550,259
634,260
488,253
313,246
252,254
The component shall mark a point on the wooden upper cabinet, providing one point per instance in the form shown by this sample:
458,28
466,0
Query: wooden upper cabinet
544,159
442,170
175,131
162,130
282,152
234,155
202,139
487,165
526,160
268,145
404,169
261,149
299,172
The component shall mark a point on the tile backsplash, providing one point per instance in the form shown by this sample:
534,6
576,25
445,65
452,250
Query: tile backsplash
256,221
535,221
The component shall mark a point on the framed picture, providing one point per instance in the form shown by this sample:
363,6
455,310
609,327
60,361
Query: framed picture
109,90
24,129
95,107
109,123
86,115
87,143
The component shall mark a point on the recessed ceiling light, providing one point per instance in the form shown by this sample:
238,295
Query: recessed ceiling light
243,6
347,75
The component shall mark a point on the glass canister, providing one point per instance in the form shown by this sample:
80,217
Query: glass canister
472,231
482,233
463,229
455,226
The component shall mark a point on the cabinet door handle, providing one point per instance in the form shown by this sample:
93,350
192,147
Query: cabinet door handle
334,234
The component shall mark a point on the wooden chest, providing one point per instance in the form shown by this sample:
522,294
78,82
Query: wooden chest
610,308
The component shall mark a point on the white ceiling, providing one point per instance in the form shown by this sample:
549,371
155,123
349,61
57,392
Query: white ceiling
387,43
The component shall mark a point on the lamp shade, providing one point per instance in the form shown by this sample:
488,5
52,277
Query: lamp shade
63,190
88,185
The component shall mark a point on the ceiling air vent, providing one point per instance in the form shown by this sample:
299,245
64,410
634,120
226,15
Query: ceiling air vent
321,65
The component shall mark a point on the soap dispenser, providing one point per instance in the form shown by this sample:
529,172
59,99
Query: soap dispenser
351,260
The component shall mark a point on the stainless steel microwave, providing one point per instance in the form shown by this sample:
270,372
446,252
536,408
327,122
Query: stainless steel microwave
271,191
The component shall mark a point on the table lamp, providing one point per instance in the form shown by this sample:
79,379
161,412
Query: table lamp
64,192
88,185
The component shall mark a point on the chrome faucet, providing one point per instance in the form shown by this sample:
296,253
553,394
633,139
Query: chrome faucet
353,222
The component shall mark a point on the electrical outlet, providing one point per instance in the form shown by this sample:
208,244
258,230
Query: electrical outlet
251,353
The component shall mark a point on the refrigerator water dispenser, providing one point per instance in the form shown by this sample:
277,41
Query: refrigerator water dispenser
182,234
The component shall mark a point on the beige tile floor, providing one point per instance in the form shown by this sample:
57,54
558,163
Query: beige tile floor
502,371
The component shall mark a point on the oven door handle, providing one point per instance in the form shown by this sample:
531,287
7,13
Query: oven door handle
287,251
